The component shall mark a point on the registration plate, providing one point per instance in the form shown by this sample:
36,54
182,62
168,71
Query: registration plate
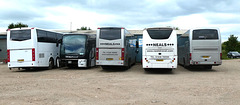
69,62
109,58
159,60
20,60
205,56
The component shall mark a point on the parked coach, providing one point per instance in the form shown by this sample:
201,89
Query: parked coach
200,47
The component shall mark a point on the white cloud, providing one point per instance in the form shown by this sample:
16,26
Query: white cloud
133,14
78,17
190,21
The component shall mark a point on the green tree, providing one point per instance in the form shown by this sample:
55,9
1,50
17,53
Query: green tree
175,28
89,28
232,44
224,45
84,28
17,25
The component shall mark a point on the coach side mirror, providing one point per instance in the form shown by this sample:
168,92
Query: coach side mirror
137,45
58,42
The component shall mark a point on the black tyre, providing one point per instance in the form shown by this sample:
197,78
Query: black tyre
50,64
170,70
105,67
27,68
129,63
58,63
208,67
184,64
146,69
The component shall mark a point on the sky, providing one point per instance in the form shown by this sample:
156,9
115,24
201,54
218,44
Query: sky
131,14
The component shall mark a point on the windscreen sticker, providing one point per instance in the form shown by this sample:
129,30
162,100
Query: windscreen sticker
140,42
109,53
132,43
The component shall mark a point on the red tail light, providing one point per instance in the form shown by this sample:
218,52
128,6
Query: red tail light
33,54
190,57
220,55
122,55
8,55
97,53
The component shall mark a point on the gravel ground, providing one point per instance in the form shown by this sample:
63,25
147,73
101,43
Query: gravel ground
195,86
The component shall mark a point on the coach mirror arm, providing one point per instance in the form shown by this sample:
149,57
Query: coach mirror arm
59,42
137,45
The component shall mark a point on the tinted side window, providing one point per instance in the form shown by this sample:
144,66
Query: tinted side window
51,37
159,33
20,35
59,36
182,40
202,34
42,36
110,33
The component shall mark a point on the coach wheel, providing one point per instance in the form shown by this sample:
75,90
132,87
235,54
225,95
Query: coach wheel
208,67
58,63
50,64
147,69
184,64
129,64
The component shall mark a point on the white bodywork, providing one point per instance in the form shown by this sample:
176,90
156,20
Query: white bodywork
159,53
115,52
22,53
200,52
110,57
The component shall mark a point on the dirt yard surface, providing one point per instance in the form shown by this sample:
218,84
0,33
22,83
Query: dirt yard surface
219,86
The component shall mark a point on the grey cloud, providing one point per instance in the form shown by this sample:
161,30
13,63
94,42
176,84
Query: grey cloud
199,6
232,30
45,24
19,14
144,11
52,3
133,12
128,13
224,20
139,7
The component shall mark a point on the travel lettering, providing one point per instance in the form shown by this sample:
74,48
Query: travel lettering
109,43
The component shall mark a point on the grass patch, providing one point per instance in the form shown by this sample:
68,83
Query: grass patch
224,55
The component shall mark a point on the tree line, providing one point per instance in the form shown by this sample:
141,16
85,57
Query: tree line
20,25
231,45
